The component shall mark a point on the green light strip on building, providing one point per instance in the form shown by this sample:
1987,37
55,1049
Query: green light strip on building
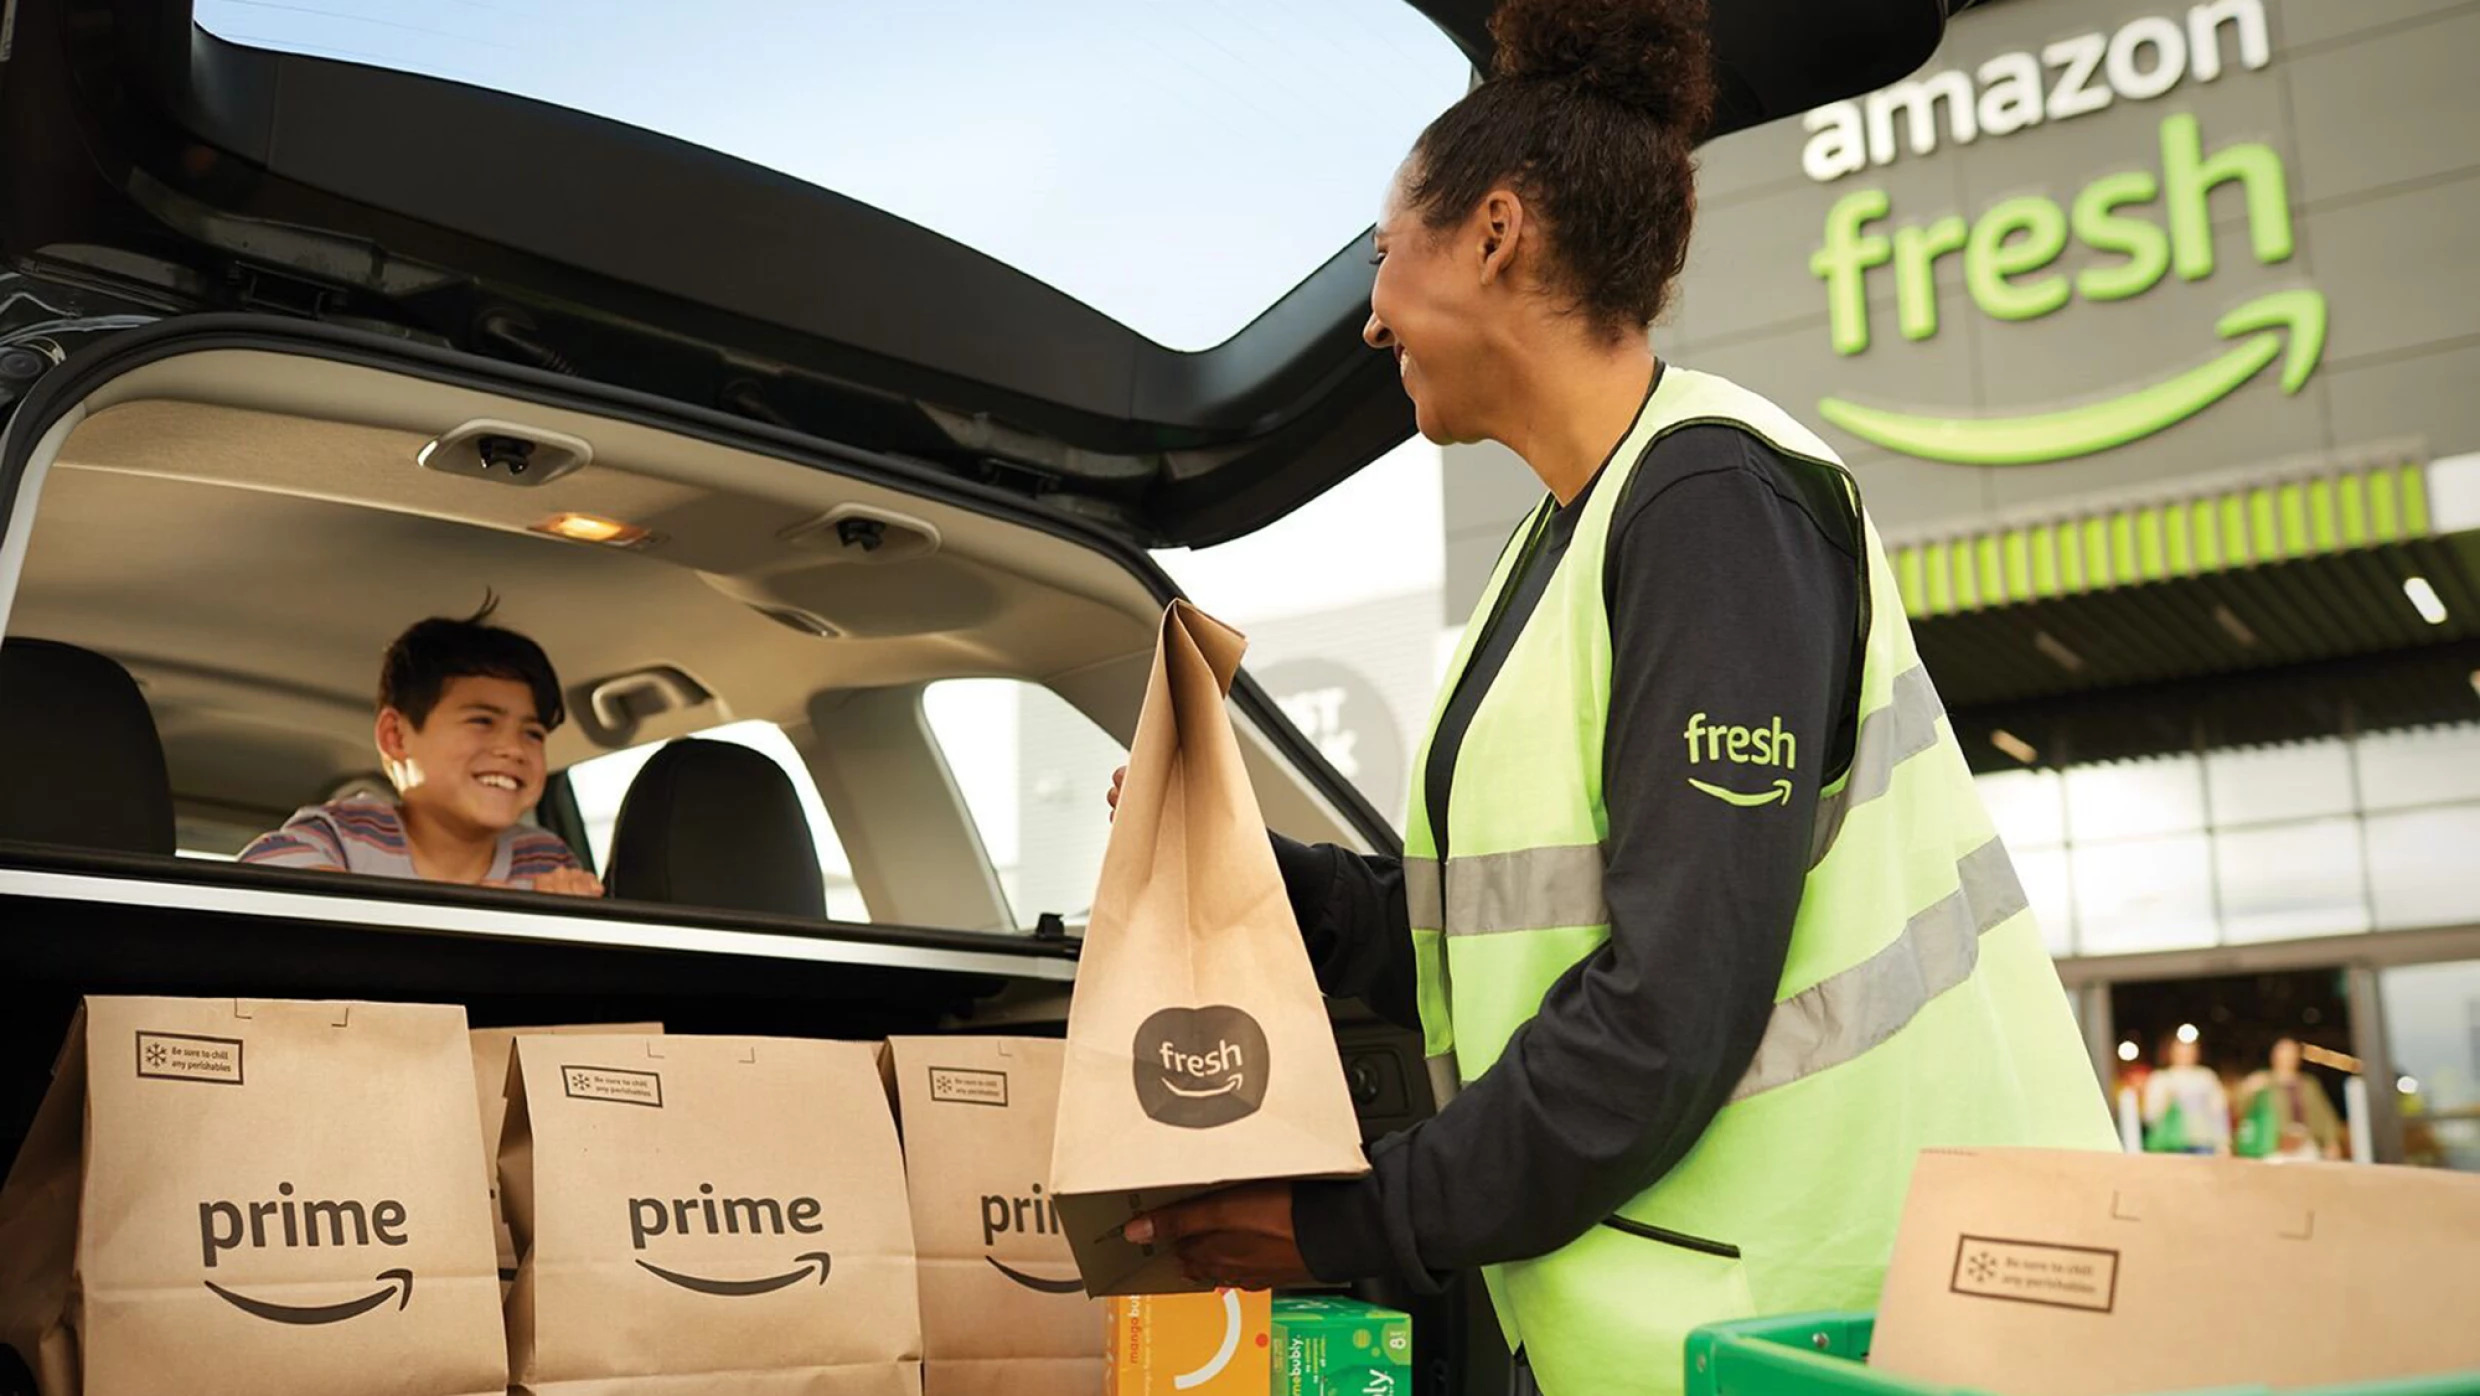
2155,542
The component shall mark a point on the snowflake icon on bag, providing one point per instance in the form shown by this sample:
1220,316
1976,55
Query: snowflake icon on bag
156,1054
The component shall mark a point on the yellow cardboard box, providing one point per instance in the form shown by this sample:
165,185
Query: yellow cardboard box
1215,1344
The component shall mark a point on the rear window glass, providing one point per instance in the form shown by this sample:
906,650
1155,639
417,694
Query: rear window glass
1033,771
1178,165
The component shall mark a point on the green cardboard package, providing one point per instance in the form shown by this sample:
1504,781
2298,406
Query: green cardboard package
1339,1347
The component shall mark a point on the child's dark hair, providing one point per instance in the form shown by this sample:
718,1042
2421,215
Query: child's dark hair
420,662
1592,116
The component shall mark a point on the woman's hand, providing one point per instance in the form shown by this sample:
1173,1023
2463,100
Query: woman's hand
1239,1237
1118,778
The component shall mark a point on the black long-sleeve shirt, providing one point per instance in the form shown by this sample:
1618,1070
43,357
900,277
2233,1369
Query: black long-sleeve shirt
1734,592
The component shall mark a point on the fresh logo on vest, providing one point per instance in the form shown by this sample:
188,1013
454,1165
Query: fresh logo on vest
711,1216
1199,1067
1742,746
287,1224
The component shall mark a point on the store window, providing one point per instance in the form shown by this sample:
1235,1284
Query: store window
2337,836
1033,771
2286,881
2267,785
2030,812
2420,866
2143,894
2432,1026
600,784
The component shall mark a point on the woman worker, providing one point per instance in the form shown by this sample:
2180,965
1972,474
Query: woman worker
1697,895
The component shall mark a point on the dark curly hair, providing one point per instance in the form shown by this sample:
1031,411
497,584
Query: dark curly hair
418,664
1592,117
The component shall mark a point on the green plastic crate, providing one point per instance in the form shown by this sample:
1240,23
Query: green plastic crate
1826,1354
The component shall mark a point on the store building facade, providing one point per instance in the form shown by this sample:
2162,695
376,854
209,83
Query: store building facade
2151,331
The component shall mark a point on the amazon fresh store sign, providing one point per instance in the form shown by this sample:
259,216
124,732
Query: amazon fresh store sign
2145,223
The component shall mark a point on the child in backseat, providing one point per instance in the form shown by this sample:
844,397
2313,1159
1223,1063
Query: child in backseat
463,710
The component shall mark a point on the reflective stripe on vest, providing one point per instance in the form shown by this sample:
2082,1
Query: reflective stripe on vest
1529,889
1888,737
1845,1014
1818,1028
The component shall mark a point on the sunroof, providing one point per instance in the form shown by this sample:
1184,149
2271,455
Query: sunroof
1178,165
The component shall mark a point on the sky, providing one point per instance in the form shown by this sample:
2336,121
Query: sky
1176,164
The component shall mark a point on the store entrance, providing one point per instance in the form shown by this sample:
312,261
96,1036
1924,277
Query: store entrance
2194,1055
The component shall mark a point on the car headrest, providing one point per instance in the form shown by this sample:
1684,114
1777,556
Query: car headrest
85,766
712,824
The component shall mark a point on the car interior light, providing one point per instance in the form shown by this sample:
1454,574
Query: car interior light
591,528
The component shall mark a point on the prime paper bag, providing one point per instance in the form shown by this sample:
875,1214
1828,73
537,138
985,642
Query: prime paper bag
1002,1310
492,1049
1199,1052
2049,1273
723,1215
256,1198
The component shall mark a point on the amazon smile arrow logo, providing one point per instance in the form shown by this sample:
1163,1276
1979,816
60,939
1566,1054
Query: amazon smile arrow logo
396,1284
1036,1282
1780,794
2098,426
733,1289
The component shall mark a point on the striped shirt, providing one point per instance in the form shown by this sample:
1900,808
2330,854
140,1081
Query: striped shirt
366,834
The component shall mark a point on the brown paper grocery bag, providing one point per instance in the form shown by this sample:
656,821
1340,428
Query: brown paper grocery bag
1199,1052
2039,1272
256,1198
1002,1309
493,1047
724,1215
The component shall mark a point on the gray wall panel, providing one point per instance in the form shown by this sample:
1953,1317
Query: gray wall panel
1748,266
2306,24
2401,271
2392,106
2431,397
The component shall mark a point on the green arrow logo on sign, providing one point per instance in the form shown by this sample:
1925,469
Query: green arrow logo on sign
2098,426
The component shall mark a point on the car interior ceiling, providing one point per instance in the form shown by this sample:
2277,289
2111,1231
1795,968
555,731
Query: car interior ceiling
243,532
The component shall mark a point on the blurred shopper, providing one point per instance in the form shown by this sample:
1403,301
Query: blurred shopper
1698,905
2303,1121
2186,1111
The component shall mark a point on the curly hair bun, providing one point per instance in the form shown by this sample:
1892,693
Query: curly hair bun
1654,55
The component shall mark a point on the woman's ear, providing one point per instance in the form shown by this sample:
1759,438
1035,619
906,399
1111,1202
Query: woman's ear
1501,227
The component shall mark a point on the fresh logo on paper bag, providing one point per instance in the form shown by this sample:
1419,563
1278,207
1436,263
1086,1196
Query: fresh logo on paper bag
287,1223
180,1056
1200,1067
709,1216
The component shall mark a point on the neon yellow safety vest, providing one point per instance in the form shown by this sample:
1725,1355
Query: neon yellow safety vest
1918,1007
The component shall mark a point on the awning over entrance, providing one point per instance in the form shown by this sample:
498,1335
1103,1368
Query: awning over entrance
2273,609
2216,532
